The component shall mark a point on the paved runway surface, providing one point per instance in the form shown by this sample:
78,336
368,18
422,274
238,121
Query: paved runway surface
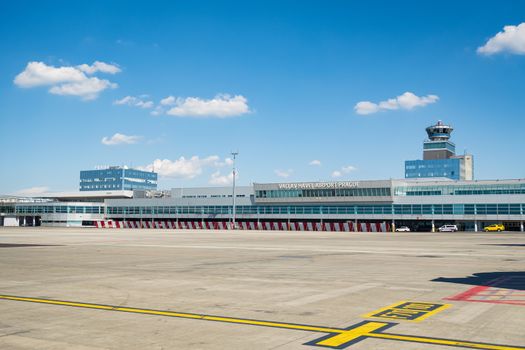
162,289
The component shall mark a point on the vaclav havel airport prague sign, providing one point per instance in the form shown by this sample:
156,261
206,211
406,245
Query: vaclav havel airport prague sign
318,185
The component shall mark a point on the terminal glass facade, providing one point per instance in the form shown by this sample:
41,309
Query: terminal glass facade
440,145
206,210
398,209
317,193
449,168
117,178
58,209
460,190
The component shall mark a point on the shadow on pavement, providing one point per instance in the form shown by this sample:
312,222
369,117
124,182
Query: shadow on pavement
507,245
509,280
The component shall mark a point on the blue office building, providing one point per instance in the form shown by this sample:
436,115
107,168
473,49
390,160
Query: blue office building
115,178
439,157
449,168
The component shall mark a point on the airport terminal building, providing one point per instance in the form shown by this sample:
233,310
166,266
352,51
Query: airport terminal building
381,205
437,190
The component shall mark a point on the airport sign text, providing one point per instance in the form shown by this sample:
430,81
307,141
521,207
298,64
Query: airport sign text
318,185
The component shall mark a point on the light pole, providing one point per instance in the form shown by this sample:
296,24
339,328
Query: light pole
234,155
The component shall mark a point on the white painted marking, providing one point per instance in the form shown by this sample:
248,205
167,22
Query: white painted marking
415,252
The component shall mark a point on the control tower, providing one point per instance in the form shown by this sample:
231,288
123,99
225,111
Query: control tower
439,157
438,145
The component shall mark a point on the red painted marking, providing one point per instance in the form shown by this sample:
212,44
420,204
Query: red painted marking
479,294
469,293
512,302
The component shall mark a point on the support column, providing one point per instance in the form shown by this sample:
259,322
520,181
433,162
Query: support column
288,211
522,228
433,226
393,225
355,226
476,226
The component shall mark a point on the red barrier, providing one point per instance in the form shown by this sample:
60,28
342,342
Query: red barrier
348,226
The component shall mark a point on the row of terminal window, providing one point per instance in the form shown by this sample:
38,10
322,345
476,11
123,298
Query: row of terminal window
96,179
214,196
397,209
347,192
58,209
456,192
100,186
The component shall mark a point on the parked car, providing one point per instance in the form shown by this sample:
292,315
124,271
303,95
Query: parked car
448,228
494,227
403,229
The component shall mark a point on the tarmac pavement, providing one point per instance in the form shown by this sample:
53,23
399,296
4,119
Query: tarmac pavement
69,288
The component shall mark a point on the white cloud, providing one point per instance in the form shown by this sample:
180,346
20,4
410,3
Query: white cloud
407,101
223,180
32,191
221,106
146,104
366,107
511,39
220,164
168,101
344,170
157,111
98,66
119,139
348,169
66,80
315,162
87,89
183,168
283,173
134,101
39,74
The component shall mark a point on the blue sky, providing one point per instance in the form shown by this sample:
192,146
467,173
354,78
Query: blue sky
278,81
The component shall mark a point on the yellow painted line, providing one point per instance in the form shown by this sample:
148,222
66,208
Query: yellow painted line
448,342
335,338
179,314
352,334
274,324
158,312
57,302
404,310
